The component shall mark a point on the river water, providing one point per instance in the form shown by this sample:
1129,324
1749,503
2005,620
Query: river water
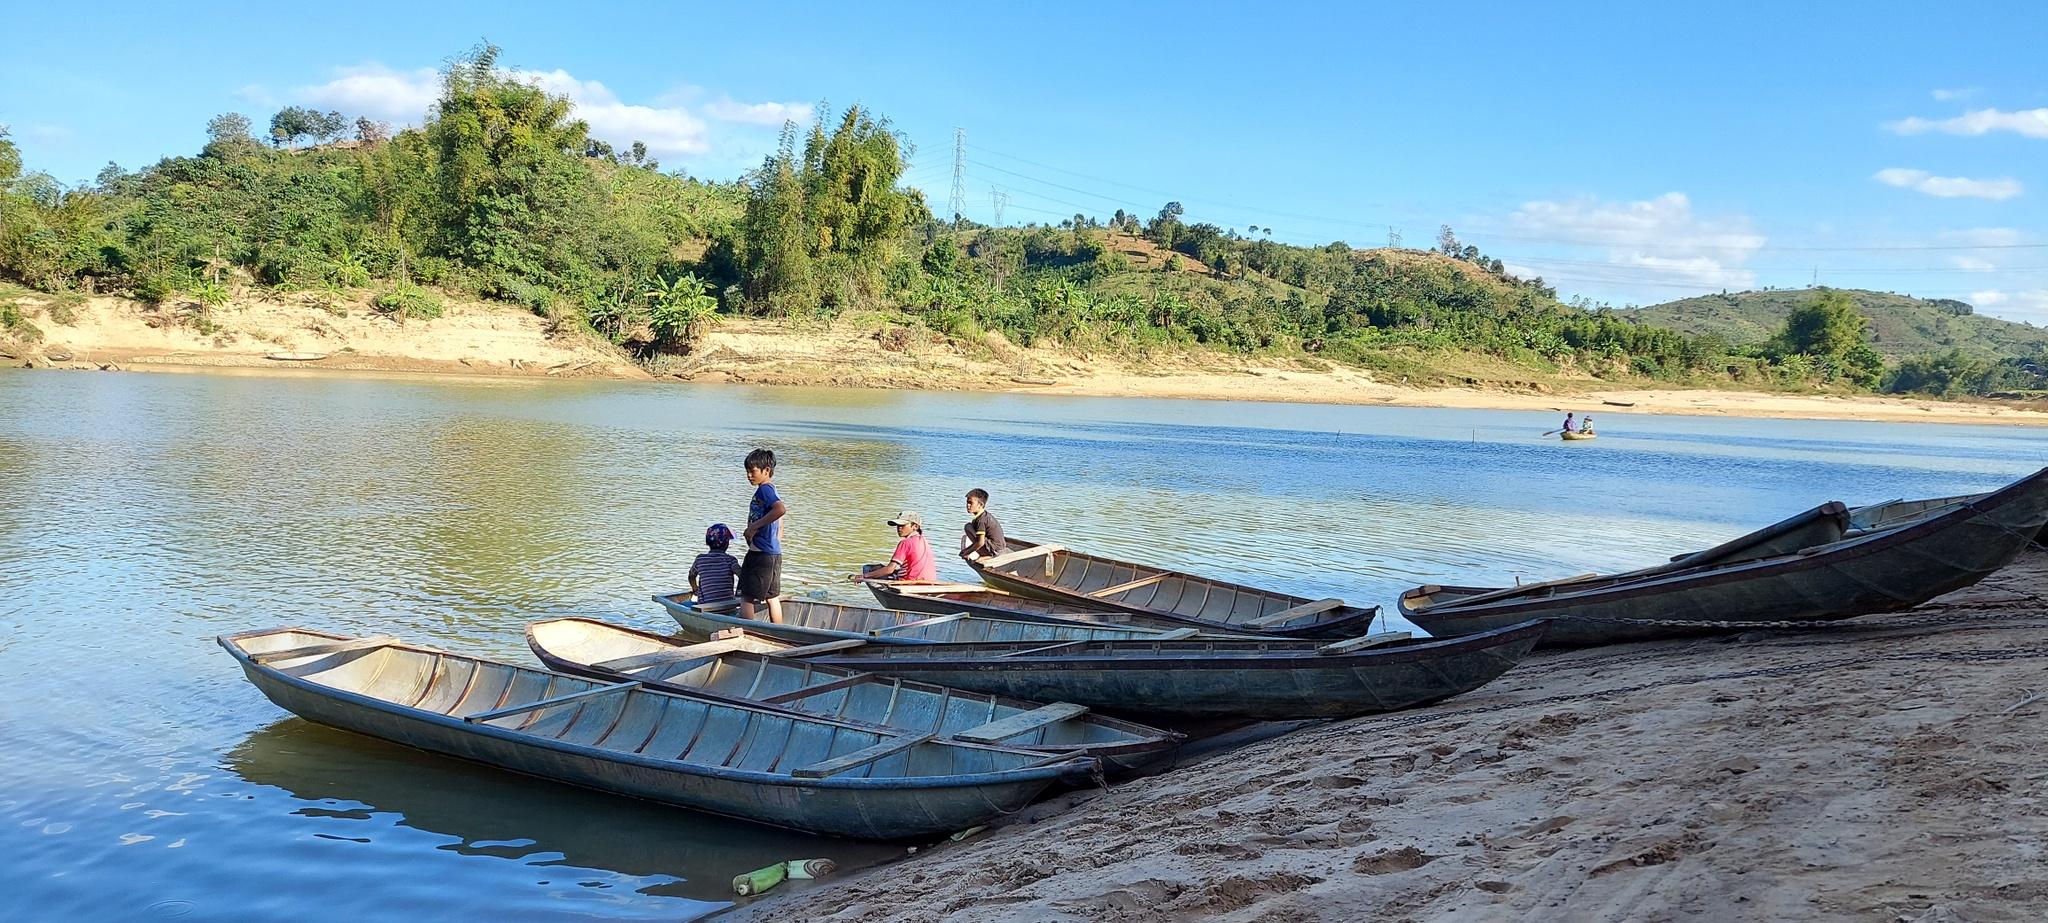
142,515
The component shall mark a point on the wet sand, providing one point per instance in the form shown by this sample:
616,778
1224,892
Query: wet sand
1889,771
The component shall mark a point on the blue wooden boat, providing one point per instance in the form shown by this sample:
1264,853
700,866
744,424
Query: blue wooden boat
738,669
760,764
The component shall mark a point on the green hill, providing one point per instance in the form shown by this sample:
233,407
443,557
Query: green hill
1900,325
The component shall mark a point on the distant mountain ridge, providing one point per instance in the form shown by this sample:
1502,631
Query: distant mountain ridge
1900,325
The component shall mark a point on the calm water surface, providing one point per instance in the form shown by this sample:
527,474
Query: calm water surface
142,515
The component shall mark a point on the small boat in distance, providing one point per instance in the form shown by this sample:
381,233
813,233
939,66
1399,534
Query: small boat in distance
1863,573
765,765
806,622
1570,436
1165,597
738,669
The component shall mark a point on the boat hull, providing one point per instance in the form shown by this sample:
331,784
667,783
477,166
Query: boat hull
812,623
1876,572
1171,600
1202,680
866,808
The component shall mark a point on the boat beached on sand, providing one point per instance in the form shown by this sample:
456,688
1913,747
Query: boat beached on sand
738,669
1202,678
1948,547
1164,597
767,765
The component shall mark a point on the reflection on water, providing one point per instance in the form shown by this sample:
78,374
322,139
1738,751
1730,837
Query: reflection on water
146,514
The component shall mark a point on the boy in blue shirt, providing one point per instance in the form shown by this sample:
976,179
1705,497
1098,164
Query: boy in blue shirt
761,570
712,574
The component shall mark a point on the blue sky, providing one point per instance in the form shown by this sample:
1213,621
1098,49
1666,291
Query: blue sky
1626,152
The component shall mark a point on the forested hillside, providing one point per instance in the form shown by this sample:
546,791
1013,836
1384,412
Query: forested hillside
1900,325
503,194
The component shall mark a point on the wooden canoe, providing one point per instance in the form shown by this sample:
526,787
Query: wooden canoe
1872,572
983,601
1169,598
1897,512
1209,678
807,622
766,765
1574,437
738,670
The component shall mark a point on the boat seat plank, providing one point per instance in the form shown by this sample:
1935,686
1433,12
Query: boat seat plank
1023,722
1046,649
1023,555
821,647
674,655
1131,585
920,623
549,702
1359,644
820,689
858,758
323,649
1506,592
1178,634
1288,615
916,589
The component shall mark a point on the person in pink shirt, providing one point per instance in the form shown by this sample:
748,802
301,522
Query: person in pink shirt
912,559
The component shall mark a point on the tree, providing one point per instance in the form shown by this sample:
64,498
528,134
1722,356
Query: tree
1826,326
228,138
372,132
327,126
639,150
1447,241
290,124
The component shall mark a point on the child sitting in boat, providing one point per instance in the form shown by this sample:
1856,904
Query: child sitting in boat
713,574
912,559
1586,425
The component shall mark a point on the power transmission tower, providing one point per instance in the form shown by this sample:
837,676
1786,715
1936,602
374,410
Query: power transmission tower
997,199
1393,238
959,172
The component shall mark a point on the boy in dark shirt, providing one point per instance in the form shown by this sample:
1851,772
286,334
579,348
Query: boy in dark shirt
984,537
711,575
761,571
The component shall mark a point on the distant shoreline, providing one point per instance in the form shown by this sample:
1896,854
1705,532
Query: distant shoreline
495,342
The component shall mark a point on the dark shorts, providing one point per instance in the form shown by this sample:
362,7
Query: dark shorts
760,576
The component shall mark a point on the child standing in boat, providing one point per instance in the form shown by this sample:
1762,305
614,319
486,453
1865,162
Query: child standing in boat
761,571
713,574
984,537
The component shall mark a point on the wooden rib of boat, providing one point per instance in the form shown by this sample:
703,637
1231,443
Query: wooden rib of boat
737,669
1055,574
1877,571
805,622
1570,436
760,764
1896,512
984,601
1214,678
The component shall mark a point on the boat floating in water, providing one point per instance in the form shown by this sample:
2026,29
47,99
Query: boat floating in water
805,622
1165,597
735,667
1946,548
755,763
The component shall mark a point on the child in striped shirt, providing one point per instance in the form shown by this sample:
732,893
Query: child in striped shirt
713,574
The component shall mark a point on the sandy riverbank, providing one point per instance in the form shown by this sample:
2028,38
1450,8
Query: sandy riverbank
1870,773
475,338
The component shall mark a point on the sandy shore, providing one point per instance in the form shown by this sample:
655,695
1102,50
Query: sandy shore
1866,773
495,340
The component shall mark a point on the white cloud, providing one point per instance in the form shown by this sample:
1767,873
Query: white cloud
401,97
1972,263
773,115
2030,305
1949,187
1955,94
1656,243
669,125
2032,123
